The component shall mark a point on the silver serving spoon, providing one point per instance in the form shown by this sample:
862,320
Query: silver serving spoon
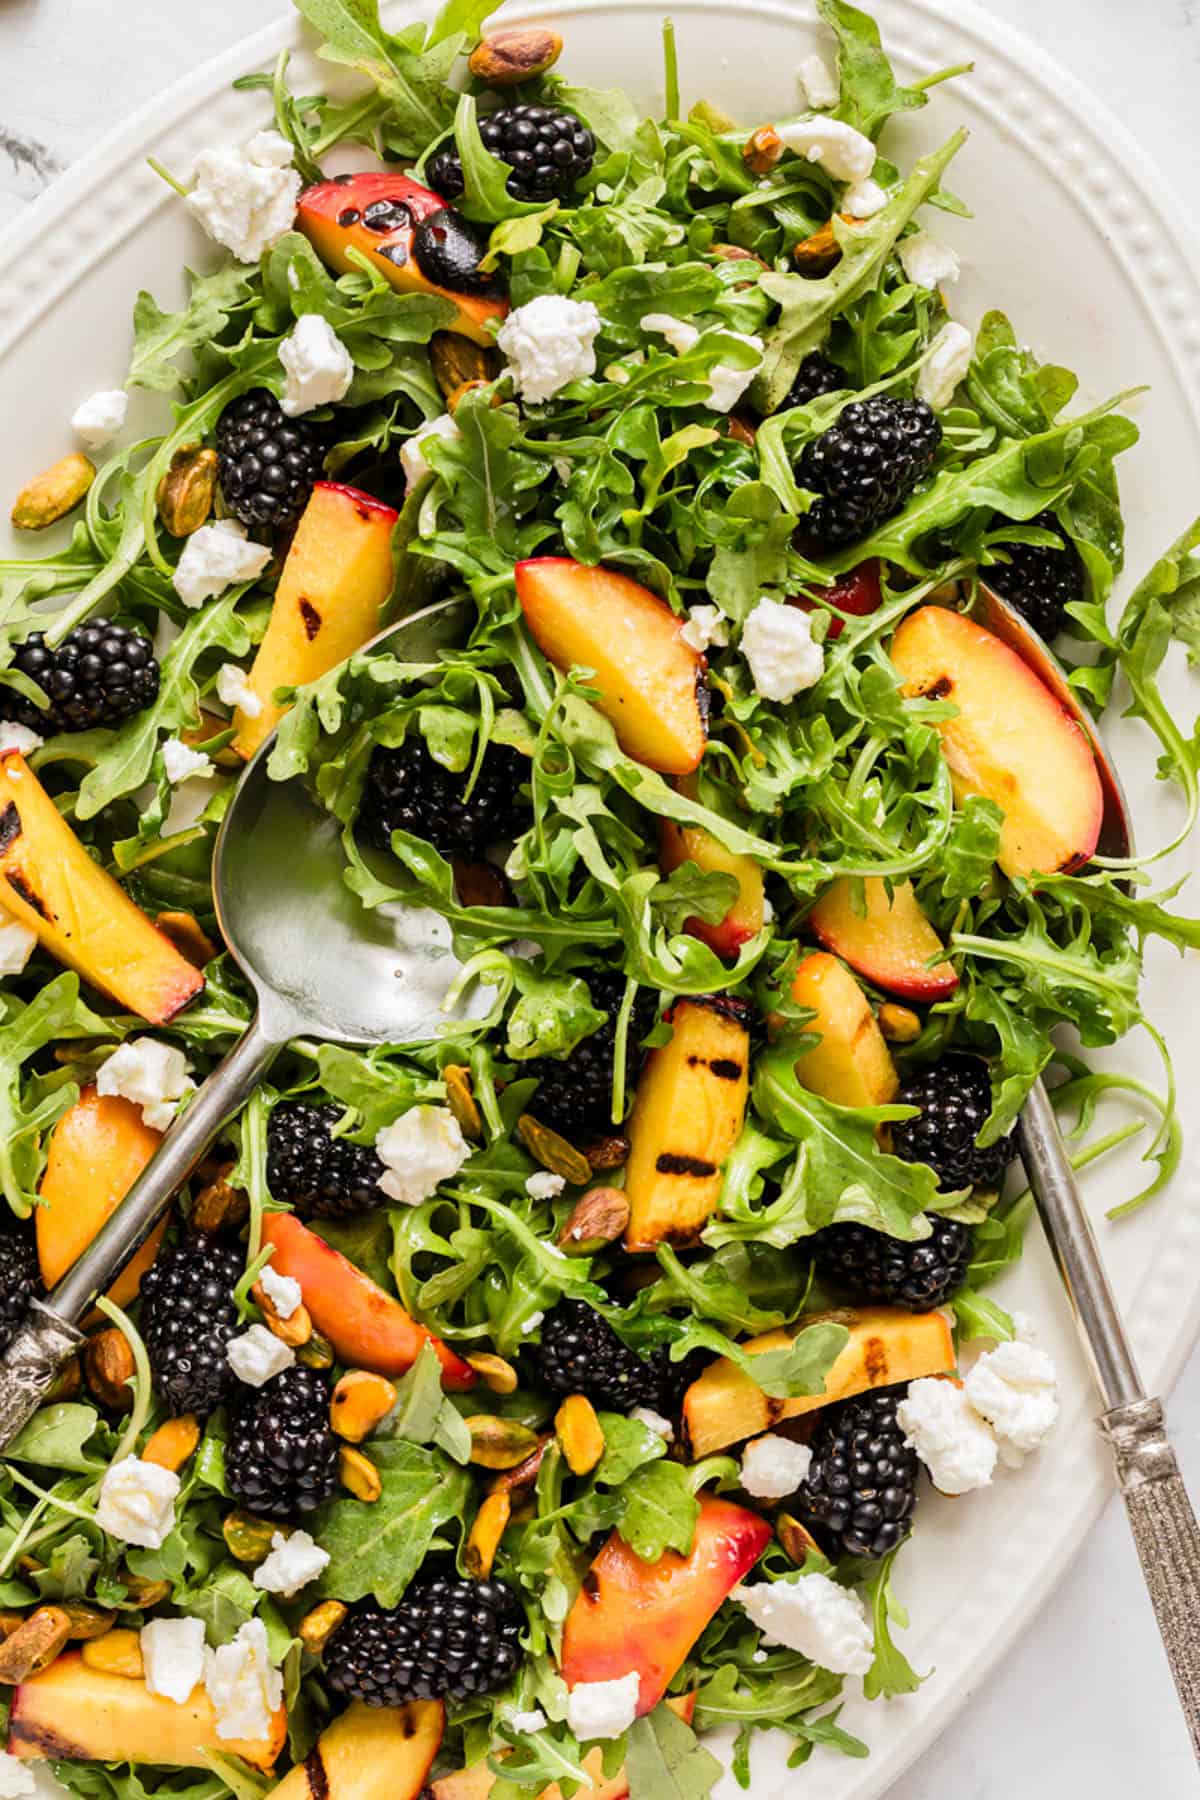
1160,1513
321,966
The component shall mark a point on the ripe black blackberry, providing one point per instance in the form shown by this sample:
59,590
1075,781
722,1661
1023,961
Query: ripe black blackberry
268,462
98,675
955,1098
281,1458
815,376
869,1265
580,1353
549,150
866,465
1037,580
574,1093
448,1638
188,1317
322,1176
20,1276
861,1489
408,790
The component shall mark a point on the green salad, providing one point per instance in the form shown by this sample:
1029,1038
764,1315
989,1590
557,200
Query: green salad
500,1413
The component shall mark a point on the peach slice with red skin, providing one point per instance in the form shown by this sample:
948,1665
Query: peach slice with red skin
651,683
891,943
71,1712
856,592
852,1065
336,582
368,1328
410,235
678,844
96,1152
1012,740
631,1614
75,908
369,1753
477,1782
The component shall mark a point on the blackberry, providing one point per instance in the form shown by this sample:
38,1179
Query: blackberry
188,1317
580,1353
865,466
98,675
20,1276
574,1093
448,1638
322,1176
861,1489
869,1265
268,462
1037,580
408,790
281,1458
548,149
815,376
955,1098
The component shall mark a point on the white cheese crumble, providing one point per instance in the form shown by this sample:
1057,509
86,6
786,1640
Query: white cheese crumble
705,627
545,1185
954,1443
864,199
603,1709
424,1147
214,558
17,1780
19,738
777,642
291,1564
283,1291
153,1075
412,456
654,1421
549,342
97,420
726,385
531,1323
926,260
244,1688
182,763
1015,1387
137,1502
773,1467
318,366
813,1615
233,689
17,944
173,1657
947,361
245,196
256,1355
818,82
841,151
534,1720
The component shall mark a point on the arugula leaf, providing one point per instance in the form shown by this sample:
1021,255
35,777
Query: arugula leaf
159,338
56,1436
658,1510
869,92
55,1013
891,1673
377,1549
423,1414
410,71
665,1760
796,1367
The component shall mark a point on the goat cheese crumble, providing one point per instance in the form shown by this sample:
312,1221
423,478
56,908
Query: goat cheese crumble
777,642
182,763
173,1657
654,1421
947,361
244,1688
1015,1388
726,385
814,1616
318,366
245,195
549,342
291,1563
926,260
954,1443
535,1720
153,1075
17,1781
233,689
137,1502
545,1185
283,1291
214,558
97,420
19,738
257,1355
412,454
773,1466
842,152
705,627
603,1709
864,199
17,944
818,82
424,1147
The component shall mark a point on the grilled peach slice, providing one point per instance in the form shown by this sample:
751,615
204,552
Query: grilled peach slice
892,943
651,683
368,1328
369,1753
336,582
81,1714
477,1782
96,1152
76,909
686,1118
852,1066
856,592
1012,740
886,1346
631,1614
678,844
411,236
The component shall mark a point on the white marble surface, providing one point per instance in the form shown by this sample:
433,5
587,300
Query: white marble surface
1083,1706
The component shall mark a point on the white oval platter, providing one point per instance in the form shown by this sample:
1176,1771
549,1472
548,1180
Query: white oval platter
1070,239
